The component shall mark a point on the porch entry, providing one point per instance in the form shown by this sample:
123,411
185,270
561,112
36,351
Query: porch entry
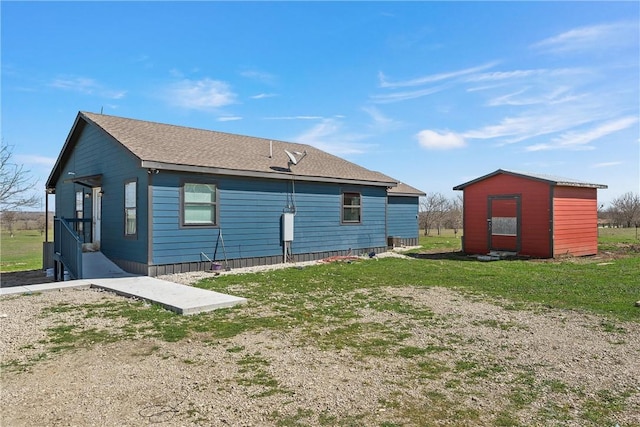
91,227
96,217
504,223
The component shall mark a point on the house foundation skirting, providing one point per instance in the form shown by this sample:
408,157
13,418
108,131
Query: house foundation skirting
185,267
398,242
131,266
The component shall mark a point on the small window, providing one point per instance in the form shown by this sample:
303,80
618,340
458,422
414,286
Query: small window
130,208
199,206
79,211
351,208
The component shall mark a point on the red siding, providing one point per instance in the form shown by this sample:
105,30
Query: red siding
535,213
575,221
507,243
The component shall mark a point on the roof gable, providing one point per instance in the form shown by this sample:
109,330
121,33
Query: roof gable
550,179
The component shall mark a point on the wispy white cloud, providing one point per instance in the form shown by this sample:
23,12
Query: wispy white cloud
294,118
530,124
431,78
496,76
545,146
228,118
86,86
579,140
329,136
260,76
590,38
606,164
380,121
264,95
523,126
555,96
433,140
202,94
425,85
504,75
404,96
487,87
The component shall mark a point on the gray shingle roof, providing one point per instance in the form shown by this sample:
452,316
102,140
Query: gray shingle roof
164,146
551,179
403,189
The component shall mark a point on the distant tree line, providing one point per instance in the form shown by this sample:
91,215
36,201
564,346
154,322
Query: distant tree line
438,212
622,212
13,221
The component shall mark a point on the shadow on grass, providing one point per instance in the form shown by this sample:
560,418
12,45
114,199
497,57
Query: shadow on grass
460,256
449,255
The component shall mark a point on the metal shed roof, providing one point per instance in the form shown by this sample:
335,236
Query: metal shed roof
551,179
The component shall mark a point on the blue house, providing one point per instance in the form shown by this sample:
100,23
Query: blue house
156,199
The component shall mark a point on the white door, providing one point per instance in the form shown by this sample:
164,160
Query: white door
96,217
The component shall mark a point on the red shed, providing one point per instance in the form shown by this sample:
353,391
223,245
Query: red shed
530,214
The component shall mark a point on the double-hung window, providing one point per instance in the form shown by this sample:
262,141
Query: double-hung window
199,204
351,208
130,208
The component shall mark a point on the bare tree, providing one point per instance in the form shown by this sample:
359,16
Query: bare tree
626,209
433,212
16,183
9,219
42,223
454,214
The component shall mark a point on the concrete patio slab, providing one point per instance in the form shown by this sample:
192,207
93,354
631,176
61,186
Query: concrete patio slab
178,298
181,299
45,287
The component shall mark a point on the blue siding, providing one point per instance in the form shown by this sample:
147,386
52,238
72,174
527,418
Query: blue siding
96,153
402,214
250,213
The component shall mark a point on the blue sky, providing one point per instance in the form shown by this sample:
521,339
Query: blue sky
433,94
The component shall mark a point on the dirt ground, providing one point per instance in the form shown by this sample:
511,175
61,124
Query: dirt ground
492,365
21,278
474,362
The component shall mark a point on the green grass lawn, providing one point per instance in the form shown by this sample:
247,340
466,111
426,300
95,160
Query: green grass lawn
445,242
610,288
21,252
612,239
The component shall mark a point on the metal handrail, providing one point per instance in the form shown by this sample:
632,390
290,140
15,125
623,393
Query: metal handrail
82,227
68,247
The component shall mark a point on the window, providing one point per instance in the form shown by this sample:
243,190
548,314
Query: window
504,226
351,208
199,204
79,211
130,208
